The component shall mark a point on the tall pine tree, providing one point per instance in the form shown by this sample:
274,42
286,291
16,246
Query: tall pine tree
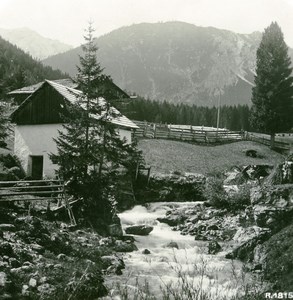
272,95
3,124
90,151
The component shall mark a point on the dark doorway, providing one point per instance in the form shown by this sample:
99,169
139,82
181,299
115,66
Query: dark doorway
36,167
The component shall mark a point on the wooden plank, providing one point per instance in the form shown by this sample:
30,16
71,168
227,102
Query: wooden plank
31,187
29,199
31,193
29,181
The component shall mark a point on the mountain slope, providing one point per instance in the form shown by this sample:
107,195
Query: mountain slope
33,43
176,61
18,69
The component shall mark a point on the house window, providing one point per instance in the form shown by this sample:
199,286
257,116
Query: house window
35,166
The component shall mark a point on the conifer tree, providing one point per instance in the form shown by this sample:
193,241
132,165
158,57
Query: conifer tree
272,95
3,125
90,151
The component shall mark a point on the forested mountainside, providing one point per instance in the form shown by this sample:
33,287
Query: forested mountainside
177,62
234,117
18,69
31,42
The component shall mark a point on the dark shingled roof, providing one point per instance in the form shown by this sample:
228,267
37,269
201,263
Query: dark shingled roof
72,95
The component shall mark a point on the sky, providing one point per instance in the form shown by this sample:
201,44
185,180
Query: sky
65,20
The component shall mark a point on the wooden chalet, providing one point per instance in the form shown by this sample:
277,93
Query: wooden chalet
38,120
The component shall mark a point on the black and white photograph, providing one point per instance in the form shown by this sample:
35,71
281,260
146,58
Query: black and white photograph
146,149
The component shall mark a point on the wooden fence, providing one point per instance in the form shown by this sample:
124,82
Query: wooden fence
185,133
265,140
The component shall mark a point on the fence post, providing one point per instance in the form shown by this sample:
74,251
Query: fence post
206,137
155,130
144,129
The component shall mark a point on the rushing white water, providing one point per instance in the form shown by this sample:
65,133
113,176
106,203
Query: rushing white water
187,271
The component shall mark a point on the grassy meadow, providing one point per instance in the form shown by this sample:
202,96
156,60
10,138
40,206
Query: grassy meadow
165,156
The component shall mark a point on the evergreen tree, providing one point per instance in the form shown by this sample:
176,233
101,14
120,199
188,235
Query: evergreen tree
272,95
90,151
3,125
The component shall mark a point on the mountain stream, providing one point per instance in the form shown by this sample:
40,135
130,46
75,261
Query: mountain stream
186,273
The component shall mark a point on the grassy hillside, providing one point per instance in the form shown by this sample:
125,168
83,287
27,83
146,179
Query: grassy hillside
165,156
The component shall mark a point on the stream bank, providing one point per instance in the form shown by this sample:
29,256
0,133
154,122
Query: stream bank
243,214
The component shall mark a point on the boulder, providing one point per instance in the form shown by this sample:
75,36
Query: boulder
272,206
125,238
115,230
254,172
112,264
251,153
121,246
139,229
172,245
234,176
146,251
214,247
173,220
244,234
245,251
32,282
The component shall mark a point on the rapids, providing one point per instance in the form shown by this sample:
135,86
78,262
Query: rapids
188,272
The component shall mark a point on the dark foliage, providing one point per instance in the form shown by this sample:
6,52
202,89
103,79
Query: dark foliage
272,97
3,125
18,69
231,117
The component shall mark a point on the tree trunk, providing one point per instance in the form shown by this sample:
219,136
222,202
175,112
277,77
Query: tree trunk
272,142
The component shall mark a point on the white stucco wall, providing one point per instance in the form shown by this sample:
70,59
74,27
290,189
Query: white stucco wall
38,140
123,133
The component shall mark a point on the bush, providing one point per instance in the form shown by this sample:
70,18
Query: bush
10,168
9,160
216,195
86,284
240,199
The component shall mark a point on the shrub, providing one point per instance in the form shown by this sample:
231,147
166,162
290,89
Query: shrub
9,160
10,168
240,199
216,195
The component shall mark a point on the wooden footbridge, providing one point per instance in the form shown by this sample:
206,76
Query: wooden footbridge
37,190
